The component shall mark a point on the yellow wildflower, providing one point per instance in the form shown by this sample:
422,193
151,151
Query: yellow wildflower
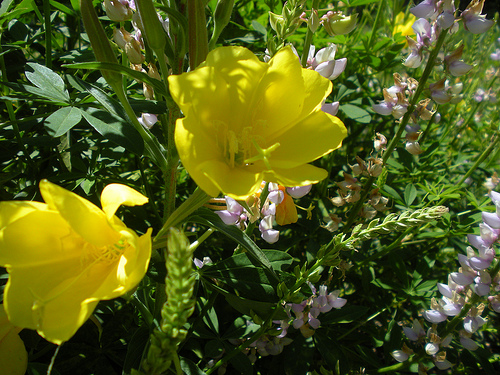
404,28
247,121
65,255
13,355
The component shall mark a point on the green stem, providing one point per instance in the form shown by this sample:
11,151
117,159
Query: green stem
375,23
392,144
48,34
309,35
195,201
152,146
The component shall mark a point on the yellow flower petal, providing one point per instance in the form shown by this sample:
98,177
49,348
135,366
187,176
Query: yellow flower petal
238,183
114,195
13,355
84,217
12,211
303,175
280,94
315,136
195,150
48,240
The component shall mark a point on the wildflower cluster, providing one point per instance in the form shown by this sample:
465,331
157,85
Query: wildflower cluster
433,19
465,296
277,207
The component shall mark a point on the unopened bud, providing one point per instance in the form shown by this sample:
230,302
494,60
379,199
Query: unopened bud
336,23
133,52
121,37
313,21
148,91
380,142
118,11
153,71
413,148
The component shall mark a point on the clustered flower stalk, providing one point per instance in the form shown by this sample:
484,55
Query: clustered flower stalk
429,35
179,286
465,296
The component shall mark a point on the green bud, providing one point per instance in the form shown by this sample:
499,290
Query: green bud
222,15
223,12
152,28
276,22
336,23
313,21
99,41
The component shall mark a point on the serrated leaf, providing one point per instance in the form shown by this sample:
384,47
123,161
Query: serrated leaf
50,83
62,120
114,129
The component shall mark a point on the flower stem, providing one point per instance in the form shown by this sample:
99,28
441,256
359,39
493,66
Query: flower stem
308,39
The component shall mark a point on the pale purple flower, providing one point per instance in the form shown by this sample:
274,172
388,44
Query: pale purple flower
400,355
415,332
473,20
434,316
148,120
473,323
324,62
198,263
298,191
330,108
267,232
425,9
467,342
233,214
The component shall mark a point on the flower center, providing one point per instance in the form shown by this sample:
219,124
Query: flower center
106,254
242,149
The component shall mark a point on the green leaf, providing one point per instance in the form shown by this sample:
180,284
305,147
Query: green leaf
114,129
410,194
62,120
189,368
356,113
50,83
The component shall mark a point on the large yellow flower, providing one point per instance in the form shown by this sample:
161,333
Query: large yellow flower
65,255
247,121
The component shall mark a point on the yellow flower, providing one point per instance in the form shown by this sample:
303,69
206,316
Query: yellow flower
65,255
404,28
13,355
247,121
